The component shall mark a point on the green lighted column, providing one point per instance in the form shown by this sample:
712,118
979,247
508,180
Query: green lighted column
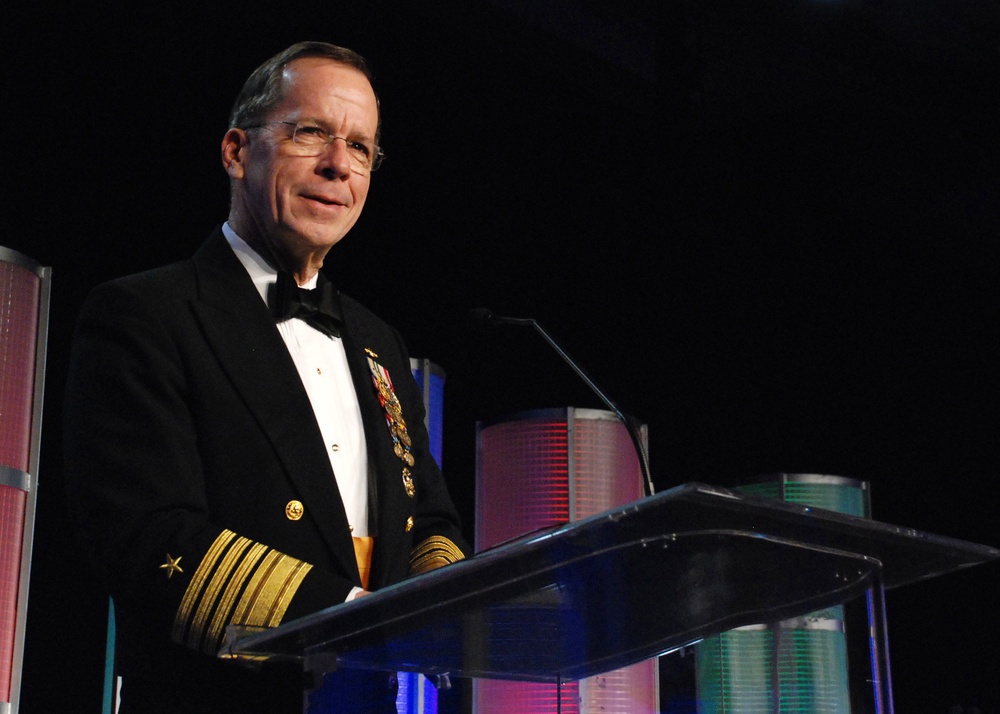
796,665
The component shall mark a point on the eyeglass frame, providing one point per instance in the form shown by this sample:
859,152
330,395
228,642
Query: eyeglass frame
377,155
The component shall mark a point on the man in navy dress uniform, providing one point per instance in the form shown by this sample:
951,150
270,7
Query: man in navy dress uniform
244,444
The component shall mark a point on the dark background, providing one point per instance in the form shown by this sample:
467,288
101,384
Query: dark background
767,229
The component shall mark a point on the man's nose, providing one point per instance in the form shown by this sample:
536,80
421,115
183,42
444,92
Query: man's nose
335,160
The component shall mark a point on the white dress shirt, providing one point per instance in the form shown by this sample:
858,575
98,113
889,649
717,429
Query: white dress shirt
322,365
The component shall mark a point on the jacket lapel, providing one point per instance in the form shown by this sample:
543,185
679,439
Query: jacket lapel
243,336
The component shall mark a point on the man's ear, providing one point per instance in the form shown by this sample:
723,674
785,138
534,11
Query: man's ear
234,149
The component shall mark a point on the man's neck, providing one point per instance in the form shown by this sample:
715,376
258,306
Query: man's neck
301,267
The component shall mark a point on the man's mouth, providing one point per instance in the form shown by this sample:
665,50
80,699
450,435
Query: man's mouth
325,200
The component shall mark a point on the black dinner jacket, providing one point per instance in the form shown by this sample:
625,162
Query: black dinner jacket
188,438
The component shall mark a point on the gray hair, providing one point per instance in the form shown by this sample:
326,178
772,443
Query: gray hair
263,89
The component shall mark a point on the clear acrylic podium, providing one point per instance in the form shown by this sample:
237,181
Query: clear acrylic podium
620,587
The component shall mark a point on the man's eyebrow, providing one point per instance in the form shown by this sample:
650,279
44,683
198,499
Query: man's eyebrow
326,126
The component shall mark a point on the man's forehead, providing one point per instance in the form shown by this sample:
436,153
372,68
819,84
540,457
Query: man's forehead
314,80
311,66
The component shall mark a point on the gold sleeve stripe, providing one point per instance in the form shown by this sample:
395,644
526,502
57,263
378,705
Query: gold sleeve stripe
267,598
433,553
196,634
253,591
246,566
198,580
238,582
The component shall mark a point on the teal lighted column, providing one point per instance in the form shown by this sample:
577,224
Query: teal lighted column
795,665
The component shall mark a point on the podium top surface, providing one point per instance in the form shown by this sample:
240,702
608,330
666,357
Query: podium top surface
616,588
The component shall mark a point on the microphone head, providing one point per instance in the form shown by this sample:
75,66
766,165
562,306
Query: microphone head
482,315
481,319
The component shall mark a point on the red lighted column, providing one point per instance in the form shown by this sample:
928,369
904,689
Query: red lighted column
24,295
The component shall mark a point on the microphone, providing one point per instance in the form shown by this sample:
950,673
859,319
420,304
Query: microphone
486,318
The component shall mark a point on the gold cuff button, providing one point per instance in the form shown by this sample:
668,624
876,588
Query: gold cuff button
294,510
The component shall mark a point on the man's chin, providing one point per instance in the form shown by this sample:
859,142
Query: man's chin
311,239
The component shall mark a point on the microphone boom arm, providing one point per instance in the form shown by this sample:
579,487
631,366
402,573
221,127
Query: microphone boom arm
629,426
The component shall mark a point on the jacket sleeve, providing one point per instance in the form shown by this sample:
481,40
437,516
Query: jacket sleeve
146,500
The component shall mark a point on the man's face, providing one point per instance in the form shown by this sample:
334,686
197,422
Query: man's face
295,204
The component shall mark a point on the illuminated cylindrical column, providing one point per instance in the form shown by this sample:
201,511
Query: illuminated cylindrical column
546,468
417,694
795,665
24,303
430,378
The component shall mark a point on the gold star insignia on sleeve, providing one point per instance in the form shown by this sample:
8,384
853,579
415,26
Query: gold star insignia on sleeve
172,566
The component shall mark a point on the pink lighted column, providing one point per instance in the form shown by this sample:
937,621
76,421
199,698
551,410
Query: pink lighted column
546,468
21,289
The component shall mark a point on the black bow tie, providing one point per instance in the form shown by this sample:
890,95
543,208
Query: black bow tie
319,307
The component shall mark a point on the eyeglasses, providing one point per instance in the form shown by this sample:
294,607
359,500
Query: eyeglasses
312,140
